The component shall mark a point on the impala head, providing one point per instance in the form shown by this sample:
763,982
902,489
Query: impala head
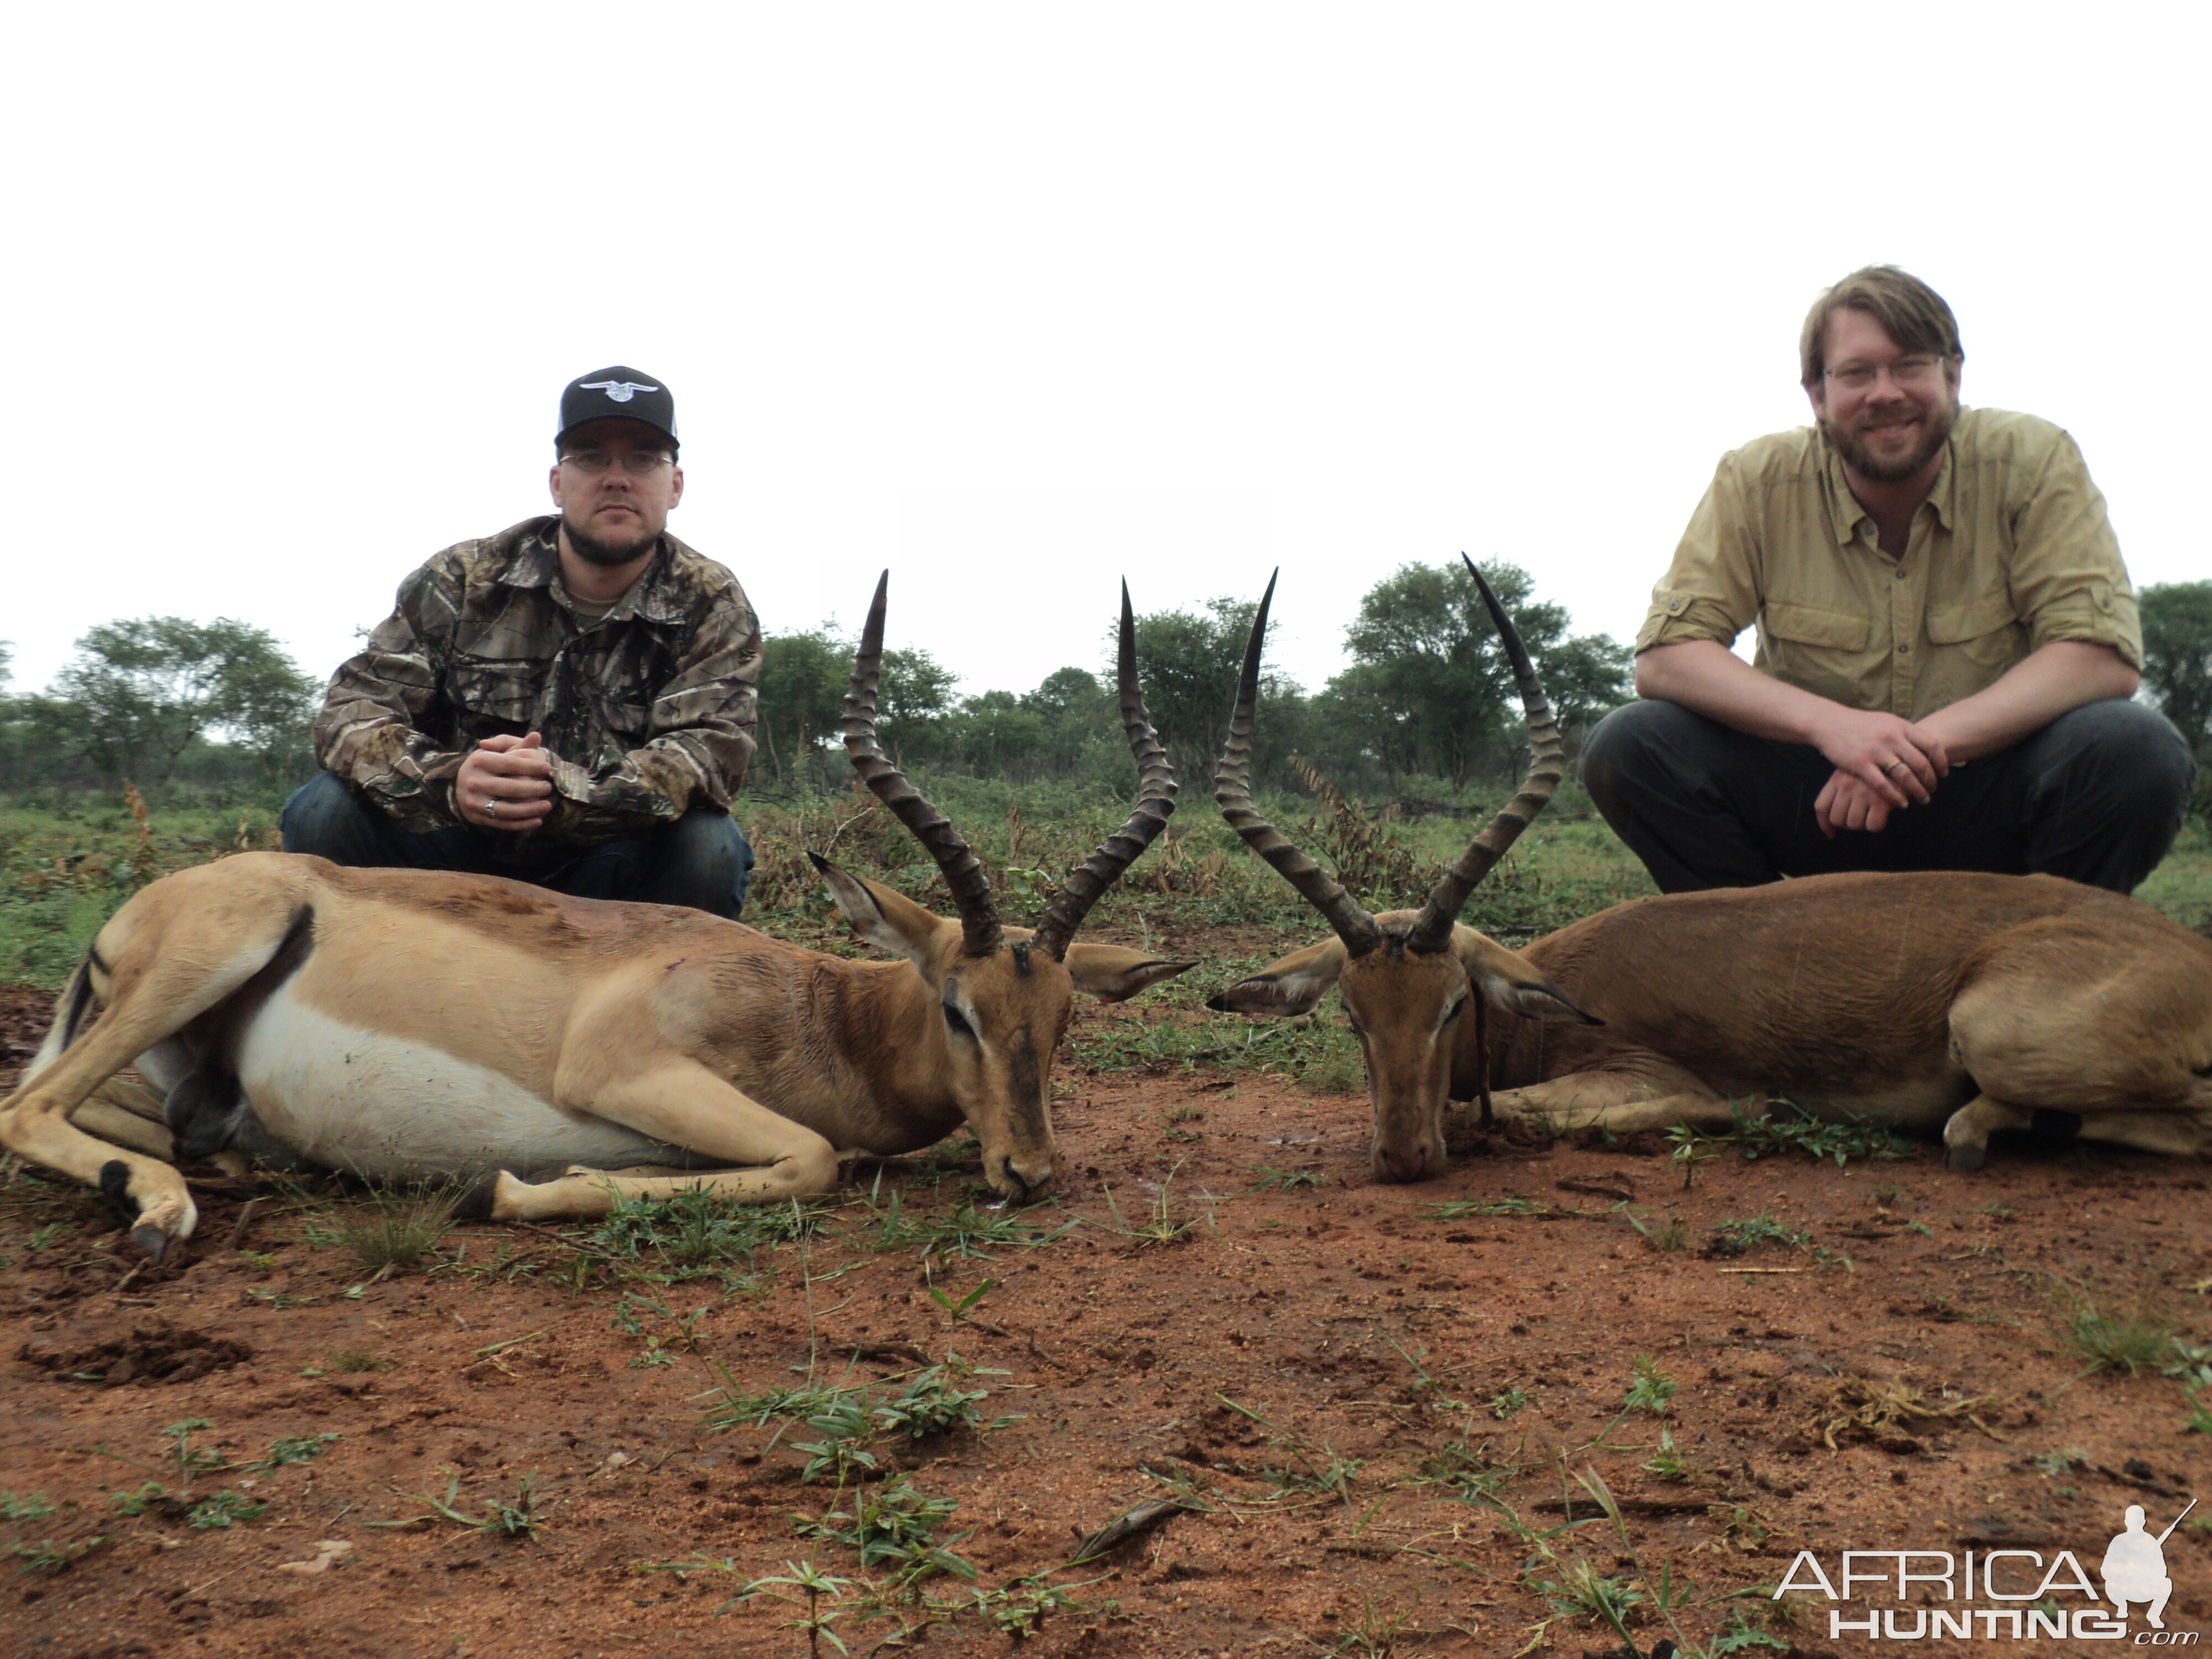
1410,978
1004,995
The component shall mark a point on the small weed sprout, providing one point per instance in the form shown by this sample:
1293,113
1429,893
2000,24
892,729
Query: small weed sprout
1651,1388
42,1554
1270,1179
932,1404
225,1507
2056,1463
501,1519
353,1361
800,1581
1666,1463
895,1526
1504,1405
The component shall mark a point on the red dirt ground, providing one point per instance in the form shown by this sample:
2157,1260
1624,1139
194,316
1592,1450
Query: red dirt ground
1307,1307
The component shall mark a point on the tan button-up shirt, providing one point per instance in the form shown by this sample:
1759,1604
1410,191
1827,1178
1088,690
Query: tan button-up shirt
2010,551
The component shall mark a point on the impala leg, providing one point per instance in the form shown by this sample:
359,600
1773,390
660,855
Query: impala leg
104,1119
1621,1103
1966,1135
679,1103
172,953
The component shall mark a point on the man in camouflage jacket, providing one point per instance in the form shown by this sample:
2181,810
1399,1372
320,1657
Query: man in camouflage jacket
570,703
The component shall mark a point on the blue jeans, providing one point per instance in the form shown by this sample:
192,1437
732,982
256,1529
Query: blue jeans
702,859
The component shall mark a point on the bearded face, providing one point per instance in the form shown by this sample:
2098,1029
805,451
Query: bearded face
1888,411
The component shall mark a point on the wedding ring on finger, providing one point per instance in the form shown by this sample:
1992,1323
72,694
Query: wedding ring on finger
491,807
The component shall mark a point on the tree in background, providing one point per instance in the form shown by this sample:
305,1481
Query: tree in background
803,680
2177,629
139,693
1430,690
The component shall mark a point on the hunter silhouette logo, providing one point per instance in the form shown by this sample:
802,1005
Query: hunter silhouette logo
2134,1567
2016,1594
620,391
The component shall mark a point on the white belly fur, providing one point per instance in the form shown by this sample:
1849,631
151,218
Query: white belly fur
391,1108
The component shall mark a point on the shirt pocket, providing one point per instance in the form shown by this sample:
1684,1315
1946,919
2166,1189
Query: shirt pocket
1983,628
1812,624
501,690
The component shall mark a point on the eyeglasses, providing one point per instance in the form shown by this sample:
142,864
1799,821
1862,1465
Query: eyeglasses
1916,371
596,461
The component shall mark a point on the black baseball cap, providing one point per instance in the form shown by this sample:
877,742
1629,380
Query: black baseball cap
616,394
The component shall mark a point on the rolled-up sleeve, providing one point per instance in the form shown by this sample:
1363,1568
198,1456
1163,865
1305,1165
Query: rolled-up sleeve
701,738
2067,579
1711,590
369,734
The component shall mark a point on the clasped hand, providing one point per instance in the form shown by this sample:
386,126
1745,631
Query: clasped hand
506,783
1883,765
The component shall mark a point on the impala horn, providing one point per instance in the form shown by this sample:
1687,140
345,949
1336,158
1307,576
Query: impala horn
1156,799
964,873
1433,928
1232,793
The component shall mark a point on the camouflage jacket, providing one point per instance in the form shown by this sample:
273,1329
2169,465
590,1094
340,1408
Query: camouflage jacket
647,711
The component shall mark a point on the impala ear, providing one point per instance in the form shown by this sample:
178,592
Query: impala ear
1511,982
1292,985
1536,999
1113,974
883,917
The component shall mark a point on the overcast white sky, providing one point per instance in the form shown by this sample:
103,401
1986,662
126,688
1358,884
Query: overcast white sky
1020,299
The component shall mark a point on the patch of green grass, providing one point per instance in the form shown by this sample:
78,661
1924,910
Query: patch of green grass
1504,1405
1733,1237
353,1361
2141,1339
1477,1210
398,1227
40,1554
1285,1181
2181,887
301,1448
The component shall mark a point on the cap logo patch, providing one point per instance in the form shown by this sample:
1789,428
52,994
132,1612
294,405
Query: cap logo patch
620,391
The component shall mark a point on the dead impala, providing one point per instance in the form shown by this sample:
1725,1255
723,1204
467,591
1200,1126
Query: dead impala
401,1024
1941,999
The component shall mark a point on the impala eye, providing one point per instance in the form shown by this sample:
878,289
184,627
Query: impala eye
1457,1010
957,1022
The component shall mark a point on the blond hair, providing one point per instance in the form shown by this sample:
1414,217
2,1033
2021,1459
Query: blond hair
1909,312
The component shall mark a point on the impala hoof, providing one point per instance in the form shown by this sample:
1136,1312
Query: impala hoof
1966,1159
152,1240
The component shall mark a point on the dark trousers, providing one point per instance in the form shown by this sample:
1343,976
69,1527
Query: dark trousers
2097,796
702,859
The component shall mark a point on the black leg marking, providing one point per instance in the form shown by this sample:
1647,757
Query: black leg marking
2049,1125
474,1202
115,1188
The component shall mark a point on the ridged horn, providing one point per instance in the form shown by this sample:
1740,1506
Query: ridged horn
1156,799
1432,929
963,874
1232,794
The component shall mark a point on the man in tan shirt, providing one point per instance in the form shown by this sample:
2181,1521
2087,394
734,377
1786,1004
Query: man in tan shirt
1947,641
